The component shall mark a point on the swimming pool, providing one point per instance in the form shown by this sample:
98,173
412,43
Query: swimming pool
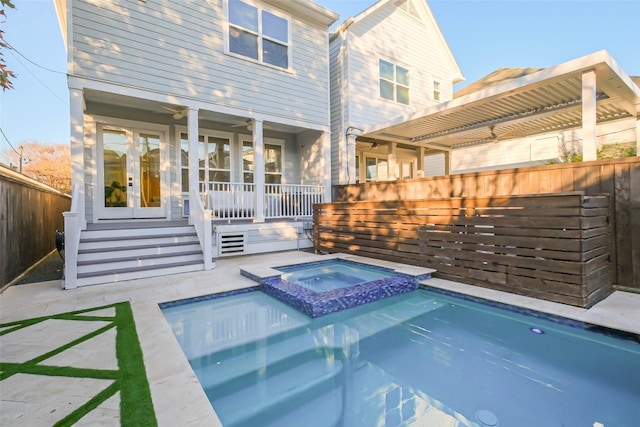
417,358
322,287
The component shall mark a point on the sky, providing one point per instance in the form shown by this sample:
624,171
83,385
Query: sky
483,35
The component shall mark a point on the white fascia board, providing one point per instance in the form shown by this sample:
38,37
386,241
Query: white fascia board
307,9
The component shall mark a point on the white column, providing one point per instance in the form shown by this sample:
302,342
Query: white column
351,159
76,101
258,170
447,162
420,163
192,128
589,116
392,158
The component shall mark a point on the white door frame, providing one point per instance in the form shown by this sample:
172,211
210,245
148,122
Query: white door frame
132,130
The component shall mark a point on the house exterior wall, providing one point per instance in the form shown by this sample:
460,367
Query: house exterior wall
178,48
391,34
539,149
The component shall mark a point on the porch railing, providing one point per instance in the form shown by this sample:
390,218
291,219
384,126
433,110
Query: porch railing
236,200
291,200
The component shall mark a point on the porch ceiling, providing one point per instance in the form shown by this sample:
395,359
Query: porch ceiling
545,101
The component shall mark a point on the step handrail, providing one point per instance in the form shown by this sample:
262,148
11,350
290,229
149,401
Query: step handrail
200,218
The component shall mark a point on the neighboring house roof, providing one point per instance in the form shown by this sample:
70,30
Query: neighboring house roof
543,101
457,74
501,75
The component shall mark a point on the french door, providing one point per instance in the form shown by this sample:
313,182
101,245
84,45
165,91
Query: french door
131,173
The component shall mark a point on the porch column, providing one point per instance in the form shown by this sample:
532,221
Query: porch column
351,158
420,162
258,171
589,116
392,158
192,128
447,162
77,137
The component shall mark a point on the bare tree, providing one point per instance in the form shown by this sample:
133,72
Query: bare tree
49,164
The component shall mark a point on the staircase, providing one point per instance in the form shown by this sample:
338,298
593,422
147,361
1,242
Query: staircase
114,252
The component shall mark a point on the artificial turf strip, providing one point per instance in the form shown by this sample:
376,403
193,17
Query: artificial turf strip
136,407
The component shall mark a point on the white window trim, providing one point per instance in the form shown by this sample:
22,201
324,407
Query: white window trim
260,7
433,92
395,83
206,133
265,141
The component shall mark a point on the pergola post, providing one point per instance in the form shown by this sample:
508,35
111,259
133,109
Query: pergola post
393,161
589,151
351,159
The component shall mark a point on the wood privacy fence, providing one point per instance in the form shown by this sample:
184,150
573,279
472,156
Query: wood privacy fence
555,247
620,178
30,213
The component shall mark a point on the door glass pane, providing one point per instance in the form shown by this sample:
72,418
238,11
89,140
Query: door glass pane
115,168
149,149
272,158
184,161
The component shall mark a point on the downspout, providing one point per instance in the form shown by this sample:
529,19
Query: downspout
344,35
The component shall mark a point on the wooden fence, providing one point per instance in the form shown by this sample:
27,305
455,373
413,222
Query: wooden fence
555,247
620,178
30,213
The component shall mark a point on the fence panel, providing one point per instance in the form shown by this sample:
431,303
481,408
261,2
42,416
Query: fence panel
556,247
620,178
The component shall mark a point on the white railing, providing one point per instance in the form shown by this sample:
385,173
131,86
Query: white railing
74,223
230,200
200,218
236,200
291,200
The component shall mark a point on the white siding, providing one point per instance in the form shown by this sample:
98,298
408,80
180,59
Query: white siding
311,158
391,34
177,48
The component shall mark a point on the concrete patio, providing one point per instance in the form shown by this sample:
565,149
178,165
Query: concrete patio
178,399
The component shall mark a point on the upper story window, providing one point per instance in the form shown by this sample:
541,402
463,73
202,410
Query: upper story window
258,34
436,90
394,82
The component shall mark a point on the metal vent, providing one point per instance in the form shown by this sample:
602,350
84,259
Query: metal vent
231,244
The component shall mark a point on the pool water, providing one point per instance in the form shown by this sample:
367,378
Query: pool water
420,358
336,274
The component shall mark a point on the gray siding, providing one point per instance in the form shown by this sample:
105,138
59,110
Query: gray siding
337,109
177,48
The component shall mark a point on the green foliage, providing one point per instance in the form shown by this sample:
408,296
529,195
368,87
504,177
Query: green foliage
5,74
617,151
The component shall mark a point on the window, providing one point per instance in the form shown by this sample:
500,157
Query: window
394,82
409,7
247,162
272,164
376,169
258,34
436,90
214,159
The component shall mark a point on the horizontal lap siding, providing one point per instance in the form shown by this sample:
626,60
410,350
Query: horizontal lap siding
554,247
177,48
395,36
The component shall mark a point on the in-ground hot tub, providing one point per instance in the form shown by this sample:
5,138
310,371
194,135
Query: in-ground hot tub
323,287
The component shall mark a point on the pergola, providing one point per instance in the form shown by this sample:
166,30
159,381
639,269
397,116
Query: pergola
581,93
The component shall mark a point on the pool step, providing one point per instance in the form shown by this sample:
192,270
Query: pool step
279,388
